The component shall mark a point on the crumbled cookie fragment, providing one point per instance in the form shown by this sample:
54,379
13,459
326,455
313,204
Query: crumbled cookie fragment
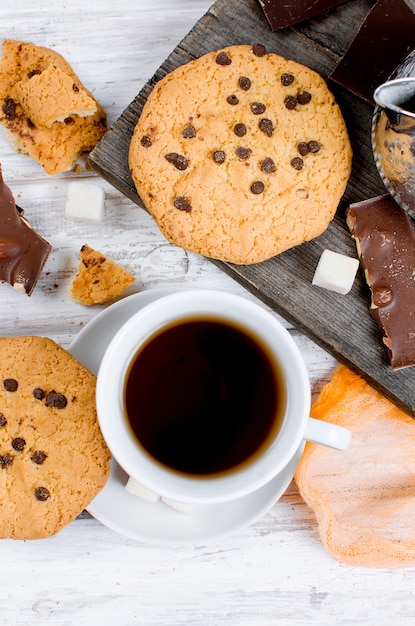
98,278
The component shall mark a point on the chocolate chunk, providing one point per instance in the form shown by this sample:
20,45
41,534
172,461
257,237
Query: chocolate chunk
18,444
304,97
381,44
5,460
267,127
313,146
10,384
23,253
287,79
38,457
268,166
223,59
33,73
75,88
259,50
9,109
282,14
232,99
178,160
303,148
385,241
69,120
56,400
219,156
146,141
257,108
3,420
240,130
297,163
38,393
189,132
243,153
257,187
42,494
182,204
244,82
290,102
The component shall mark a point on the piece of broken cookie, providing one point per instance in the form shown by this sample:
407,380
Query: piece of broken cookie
46,110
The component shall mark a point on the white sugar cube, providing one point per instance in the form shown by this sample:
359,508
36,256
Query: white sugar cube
137,489
85,202
335,272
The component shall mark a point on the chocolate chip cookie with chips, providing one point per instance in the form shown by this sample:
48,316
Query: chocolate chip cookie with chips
241,154
53,458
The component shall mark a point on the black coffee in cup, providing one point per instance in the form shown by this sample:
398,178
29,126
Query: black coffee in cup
203,396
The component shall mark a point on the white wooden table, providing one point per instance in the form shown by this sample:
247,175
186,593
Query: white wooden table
276,570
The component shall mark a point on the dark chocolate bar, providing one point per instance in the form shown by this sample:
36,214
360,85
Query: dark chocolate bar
385,241
281,14
23,253
384,40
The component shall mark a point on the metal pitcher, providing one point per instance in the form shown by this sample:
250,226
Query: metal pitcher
393,134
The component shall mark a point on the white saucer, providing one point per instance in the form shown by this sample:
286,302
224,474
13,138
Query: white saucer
158,523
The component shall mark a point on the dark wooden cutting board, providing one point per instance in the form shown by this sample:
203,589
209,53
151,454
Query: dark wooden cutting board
341,324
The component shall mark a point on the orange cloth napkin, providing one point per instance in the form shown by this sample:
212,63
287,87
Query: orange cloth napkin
364,497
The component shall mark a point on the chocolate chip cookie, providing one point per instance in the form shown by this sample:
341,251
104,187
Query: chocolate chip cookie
46,110
241,154
53,459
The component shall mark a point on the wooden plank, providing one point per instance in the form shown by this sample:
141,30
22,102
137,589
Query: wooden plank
342,325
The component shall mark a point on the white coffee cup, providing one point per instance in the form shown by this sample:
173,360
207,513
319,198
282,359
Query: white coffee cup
297,426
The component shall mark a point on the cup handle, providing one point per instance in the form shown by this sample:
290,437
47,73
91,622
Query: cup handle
327,434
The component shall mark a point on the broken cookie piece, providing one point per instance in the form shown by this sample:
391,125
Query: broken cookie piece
52,96
385,240
47,112
98,278
23,253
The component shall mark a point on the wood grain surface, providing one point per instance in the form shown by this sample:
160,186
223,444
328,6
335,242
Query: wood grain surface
342,325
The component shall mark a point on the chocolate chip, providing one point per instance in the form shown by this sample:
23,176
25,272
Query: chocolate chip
42,494
182,204
244,82
287,79
297,163
56,400
30,123
38,457
219,156
3,420
75,88
178,160
303,148
304,98
5,460
257,108
257,187
146,141
69,120
189,132
232,99
259,50
268,166
243,153
38,393
18,444
290,102
240,130
10,384
313,146
266,126
33,73
9,109
223,59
